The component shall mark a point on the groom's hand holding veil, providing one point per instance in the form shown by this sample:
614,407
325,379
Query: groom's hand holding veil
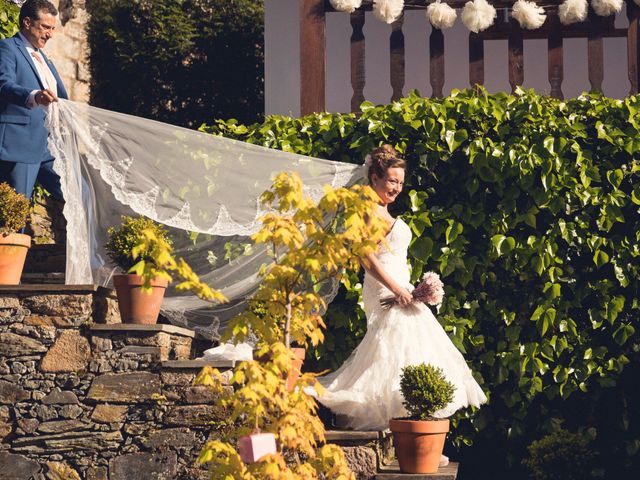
45,97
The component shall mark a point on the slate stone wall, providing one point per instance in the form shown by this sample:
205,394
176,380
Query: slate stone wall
77,402
84,397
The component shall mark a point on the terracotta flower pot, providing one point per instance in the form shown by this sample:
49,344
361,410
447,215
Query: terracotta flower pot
13,252
135,305
294,374
419,443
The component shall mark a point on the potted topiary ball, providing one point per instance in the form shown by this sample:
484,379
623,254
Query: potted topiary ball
419,439
135,305
14,209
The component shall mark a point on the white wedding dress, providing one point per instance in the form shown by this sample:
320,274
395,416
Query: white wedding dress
365,390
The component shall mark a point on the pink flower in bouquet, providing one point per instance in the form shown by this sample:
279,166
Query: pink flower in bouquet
430,290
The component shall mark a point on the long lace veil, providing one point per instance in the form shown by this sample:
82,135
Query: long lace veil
205,188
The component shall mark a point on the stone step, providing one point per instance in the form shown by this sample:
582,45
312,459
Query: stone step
49,278
49,288
366,452
61,305
198,364
343,436
45,258
392,472
132,327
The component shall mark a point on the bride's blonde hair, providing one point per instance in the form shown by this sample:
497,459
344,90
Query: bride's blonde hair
382,159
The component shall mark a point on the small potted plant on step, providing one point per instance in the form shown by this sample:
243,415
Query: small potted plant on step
14,209
136,306
419,439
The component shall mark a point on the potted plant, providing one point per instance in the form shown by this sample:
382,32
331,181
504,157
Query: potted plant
286,310
136,305
419,439
14,208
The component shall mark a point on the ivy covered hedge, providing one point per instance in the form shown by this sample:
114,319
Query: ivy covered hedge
529,208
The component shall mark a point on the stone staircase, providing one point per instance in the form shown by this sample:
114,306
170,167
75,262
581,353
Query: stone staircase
82,393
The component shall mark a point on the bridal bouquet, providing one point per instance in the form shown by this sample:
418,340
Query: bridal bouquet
430,291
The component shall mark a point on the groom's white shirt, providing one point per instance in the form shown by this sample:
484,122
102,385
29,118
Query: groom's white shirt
31,100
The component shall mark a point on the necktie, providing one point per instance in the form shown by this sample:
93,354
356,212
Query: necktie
48,80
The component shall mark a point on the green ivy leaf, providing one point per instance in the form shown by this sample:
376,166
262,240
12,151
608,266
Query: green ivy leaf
421,248
503,244
623,333
455,138
615,177
453,230
600,258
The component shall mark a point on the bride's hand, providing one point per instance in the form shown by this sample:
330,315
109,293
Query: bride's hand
403,297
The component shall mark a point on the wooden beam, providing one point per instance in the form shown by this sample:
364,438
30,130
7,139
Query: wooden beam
501,31
516,55
436,62
422,4
357,59
555,54
633,47
396,58
476,59
595,52
312,56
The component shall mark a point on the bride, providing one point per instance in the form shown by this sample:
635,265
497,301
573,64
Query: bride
365,390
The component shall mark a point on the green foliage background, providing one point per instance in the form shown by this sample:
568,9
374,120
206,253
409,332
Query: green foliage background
8,19
528,207
560,455
178,61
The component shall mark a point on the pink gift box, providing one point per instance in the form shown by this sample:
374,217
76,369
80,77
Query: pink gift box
253,447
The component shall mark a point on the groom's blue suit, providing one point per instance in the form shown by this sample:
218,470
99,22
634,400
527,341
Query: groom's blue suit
23,135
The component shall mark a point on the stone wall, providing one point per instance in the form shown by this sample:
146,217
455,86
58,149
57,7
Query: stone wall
81,397
69,49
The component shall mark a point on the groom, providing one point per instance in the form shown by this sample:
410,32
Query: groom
29,83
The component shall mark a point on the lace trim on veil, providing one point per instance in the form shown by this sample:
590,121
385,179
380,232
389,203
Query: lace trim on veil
112,164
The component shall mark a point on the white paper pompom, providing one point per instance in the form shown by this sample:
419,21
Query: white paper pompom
478,15
604,8
573,11
442,15
529,15
388,10
346,5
